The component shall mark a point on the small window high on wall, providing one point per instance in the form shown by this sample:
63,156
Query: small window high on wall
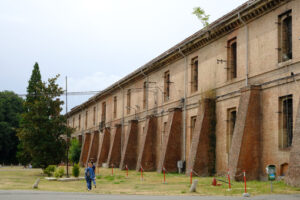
79,122
167,85
231,59
128,101
144,94
94,116
103,116
285,138
86,118
115,106
231,119
285,36
194,75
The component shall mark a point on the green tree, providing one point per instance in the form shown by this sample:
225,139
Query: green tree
200,13
75,150
42,126
10,109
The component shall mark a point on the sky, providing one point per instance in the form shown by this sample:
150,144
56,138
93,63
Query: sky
92,42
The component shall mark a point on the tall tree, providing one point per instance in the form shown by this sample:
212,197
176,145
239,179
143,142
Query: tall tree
10,109
42,126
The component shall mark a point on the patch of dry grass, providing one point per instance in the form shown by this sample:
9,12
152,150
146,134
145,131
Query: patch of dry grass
17,178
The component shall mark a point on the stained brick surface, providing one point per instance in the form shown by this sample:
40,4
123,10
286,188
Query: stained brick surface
80,139
103,147
146,155
171,146
114,155
93,151
245,148
199,150
129,153
85,149
293,176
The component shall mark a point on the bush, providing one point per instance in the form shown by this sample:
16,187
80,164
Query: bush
76,170
49,170
75,150
59,172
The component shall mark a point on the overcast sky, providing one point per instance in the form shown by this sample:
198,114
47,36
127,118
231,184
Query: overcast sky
93,42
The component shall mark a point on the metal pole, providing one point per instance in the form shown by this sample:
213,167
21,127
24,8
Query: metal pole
67,127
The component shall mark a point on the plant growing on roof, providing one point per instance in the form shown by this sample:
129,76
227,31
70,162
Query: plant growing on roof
202,16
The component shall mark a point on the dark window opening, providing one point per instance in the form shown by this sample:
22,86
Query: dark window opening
79,122
167,86
194,75
115,107
286,121
103,116
285,37
144,95
94,116
128,101
86,119
232,59
193,125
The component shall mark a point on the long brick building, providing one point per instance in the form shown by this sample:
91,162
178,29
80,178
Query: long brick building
225,98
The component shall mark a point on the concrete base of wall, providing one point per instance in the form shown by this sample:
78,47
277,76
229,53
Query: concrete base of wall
293,175
199,152
114,155
85,149
244,153
103,147
129,153
147,153
171,146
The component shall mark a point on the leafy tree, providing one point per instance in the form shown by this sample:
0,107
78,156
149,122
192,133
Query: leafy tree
200,13
10,109
42,126
75,150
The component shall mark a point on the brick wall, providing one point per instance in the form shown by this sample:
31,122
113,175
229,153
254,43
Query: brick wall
85,149
103,147
114,155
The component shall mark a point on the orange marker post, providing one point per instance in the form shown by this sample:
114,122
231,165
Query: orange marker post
142,177
229,184
112,170
245,181
191,177
126,171
164,171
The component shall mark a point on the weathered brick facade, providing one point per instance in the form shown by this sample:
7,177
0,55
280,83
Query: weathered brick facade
171,146
170,86
147,154
129,152
103,147
114,155
245,148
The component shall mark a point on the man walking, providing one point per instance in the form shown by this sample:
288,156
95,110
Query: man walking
89,175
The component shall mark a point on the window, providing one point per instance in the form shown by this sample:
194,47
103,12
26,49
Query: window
193,125
231,119
285,121
94,116
167,86
103,116
79,121
115,106
86,118
128,101
231,59
73,122
144,95
285,36
194,75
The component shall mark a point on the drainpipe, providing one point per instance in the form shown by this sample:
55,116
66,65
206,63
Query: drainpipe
247,45
122,122
147,80
184,103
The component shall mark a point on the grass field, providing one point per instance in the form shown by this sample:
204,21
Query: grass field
13,178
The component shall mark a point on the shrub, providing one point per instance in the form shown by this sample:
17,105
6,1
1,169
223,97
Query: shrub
49,170
76,170
59,172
